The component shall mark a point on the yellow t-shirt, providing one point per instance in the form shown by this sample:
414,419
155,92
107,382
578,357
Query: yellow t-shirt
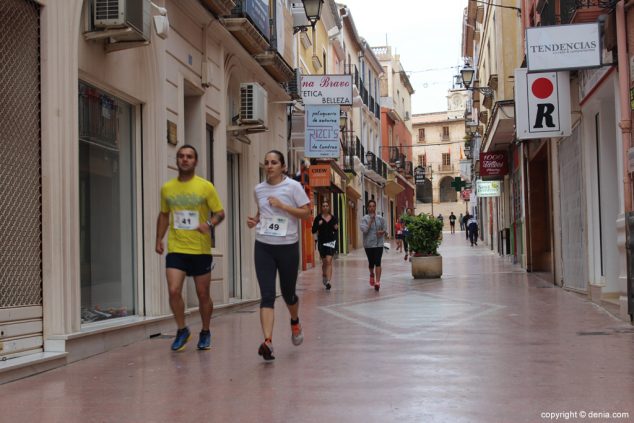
189,204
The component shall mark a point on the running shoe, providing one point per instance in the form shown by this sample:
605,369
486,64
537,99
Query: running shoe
405,258
204,341
266,351
371,279
296,334
182,336
327,285
377,286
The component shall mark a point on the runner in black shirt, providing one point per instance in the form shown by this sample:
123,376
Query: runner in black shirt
326,226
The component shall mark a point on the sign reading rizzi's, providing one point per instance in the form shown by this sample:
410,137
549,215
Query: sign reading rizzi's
542,104
327,89
563,47
322,131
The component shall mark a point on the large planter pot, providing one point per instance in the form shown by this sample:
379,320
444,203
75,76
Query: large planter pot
429,267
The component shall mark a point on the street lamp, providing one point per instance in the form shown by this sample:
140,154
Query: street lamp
312,8
343,120
467,73
368,157
422,172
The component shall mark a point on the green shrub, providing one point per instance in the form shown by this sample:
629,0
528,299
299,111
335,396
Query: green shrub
424,235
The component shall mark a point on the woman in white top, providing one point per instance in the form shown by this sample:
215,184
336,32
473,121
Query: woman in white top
281,203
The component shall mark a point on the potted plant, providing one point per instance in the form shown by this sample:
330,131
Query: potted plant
424,235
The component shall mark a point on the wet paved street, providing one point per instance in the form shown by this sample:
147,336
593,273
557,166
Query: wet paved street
487,343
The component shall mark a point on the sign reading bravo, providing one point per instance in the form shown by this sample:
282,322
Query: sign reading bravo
327,89
493,164
542,102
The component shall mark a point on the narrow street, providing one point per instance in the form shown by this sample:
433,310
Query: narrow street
487,343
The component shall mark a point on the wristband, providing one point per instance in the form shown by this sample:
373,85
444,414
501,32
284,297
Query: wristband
211,225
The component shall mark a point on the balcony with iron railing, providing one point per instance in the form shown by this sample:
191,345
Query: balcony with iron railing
445,168
409,169
393,155
376,168
352,148
576,11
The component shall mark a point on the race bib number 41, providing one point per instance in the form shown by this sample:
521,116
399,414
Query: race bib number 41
274,226
186,219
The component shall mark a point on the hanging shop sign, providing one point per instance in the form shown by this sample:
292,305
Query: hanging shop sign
258,13
465,194
542,104
327,89
419,175
322,132
563,47
493,164
319,175
488,188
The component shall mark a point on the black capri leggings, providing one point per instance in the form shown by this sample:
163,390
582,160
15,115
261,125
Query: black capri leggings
374,256
270,259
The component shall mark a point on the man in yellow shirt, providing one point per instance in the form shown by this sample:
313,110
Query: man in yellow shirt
186,205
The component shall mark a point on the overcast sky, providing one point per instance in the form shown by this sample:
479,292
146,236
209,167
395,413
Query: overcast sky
427,36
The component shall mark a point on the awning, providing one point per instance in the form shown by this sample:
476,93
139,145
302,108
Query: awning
393,188
353,192
501,131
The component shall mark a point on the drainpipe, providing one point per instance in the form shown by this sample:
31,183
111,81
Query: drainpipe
624,87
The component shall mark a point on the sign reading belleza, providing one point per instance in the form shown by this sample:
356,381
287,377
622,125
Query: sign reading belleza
563,47
327,89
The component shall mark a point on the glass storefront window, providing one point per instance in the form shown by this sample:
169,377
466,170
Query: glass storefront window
107,205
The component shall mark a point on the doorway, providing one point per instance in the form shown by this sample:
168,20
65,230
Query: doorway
234,247
540,240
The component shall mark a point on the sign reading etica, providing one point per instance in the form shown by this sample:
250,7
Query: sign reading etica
327,89
542,104
563,47
493,164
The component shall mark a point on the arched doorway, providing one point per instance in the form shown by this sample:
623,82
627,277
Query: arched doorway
447,192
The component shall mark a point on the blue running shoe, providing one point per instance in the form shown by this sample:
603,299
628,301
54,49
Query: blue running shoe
204,341
182,336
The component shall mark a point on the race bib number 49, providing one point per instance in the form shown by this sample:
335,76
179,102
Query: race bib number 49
274,226
186,219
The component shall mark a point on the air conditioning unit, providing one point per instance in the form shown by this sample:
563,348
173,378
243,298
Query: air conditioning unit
126,20
253,103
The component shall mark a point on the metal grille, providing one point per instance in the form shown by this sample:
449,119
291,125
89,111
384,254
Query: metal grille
20,180
107,9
